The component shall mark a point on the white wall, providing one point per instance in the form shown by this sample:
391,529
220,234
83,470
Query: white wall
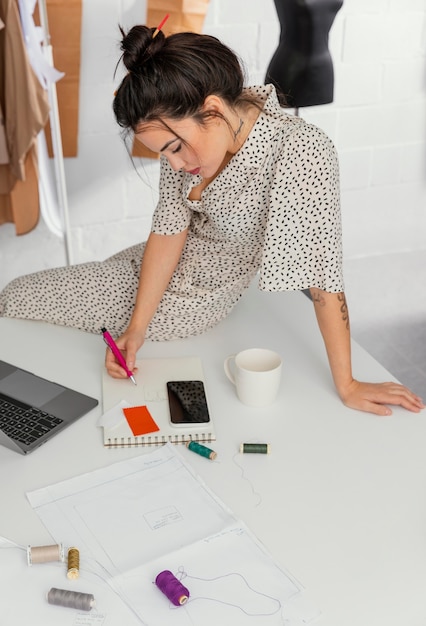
378,122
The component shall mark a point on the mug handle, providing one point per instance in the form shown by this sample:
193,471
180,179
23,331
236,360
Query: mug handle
227,368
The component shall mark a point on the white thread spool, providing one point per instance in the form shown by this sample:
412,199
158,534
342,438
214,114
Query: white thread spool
45,554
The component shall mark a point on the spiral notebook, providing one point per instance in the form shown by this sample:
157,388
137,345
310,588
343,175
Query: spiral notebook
139,415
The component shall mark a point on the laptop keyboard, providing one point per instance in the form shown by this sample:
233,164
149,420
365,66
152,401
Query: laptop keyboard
23,423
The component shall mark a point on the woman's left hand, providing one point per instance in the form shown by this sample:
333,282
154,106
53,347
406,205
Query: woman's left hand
374,397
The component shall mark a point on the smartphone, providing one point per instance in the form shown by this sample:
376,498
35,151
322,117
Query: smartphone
187,402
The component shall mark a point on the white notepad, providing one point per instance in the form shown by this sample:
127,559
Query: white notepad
151,391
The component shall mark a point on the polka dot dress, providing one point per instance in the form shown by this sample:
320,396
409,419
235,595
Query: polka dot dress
273,210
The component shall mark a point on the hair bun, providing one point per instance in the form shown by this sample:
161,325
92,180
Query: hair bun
138,45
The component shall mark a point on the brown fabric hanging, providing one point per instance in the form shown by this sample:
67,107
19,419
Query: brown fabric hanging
25,108
24,197
185,15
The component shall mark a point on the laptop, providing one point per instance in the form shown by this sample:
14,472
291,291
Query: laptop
33,409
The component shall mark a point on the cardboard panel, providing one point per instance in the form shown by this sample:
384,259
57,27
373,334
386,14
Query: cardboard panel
64,18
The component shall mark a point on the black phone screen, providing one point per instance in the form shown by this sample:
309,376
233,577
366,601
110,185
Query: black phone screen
187,402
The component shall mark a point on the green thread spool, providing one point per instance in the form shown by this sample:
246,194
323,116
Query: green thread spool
198,448
259,448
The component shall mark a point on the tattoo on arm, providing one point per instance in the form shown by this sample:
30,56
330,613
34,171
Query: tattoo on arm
344,308
319,300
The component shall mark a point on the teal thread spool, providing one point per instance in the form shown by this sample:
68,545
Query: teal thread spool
256,448
198,448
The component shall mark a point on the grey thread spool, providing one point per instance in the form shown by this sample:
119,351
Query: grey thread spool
71,599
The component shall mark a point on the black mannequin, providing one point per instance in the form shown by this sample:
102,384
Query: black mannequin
302,68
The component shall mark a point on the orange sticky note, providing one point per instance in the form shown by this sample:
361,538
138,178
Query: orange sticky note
140,420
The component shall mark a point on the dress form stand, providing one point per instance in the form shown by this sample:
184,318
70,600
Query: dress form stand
301,68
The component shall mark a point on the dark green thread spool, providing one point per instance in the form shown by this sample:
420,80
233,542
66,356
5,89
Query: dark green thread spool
256,448
198,448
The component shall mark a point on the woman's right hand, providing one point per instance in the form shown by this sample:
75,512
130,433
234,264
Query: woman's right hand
129,343
160,258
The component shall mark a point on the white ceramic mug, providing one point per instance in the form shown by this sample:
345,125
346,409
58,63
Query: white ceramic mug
256,374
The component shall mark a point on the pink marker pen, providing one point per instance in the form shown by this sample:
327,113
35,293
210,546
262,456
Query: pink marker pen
116,352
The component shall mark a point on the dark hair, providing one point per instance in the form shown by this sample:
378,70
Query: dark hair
172,76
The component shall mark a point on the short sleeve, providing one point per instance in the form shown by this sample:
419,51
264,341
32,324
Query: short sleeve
303,238
171,215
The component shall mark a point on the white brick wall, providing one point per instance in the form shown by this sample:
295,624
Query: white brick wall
377,120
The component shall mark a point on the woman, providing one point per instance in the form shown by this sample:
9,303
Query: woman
244,188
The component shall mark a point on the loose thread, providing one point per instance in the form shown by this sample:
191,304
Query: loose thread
73,564
172,588
71,599
244,477
183,574
45,554
198,448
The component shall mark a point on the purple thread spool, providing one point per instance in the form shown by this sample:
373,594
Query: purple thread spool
172,588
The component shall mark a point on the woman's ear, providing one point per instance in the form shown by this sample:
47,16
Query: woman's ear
214,104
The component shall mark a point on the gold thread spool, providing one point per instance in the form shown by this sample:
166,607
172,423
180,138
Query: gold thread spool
45,554
73,564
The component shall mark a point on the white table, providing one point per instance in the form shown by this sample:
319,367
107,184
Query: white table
343,493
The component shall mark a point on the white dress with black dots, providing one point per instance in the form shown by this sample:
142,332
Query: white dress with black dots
274,209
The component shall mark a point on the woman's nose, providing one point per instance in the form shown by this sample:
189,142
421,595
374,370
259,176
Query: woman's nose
176,162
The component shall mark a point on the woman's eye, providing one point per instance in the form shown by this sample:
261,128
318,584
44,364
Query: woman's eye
178,149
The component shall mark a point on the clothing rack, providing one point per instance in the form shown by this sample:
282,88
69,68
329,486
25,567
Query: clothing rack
55,126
